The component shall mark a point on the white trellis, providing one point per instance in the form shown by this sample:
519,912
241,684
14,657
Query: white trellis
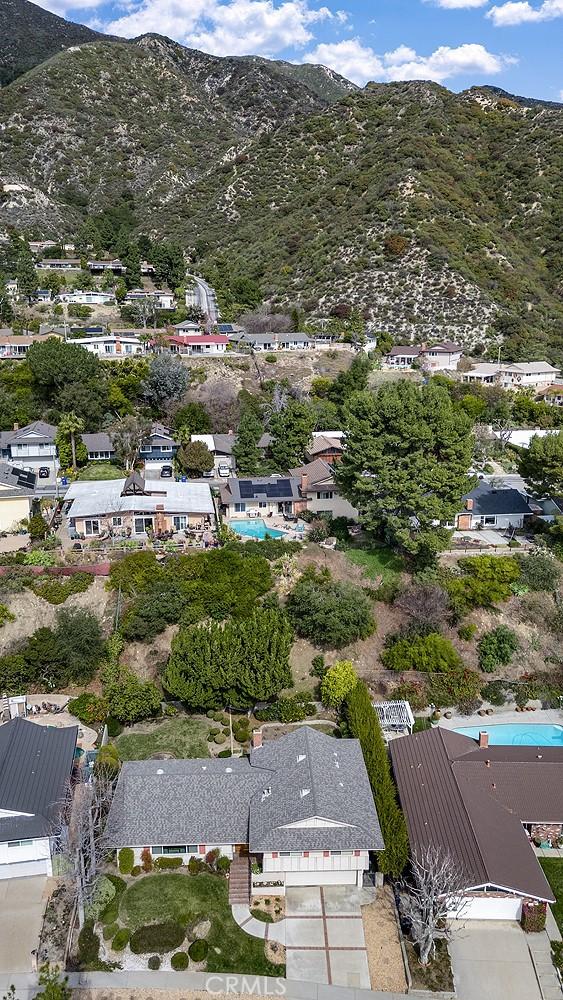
394,716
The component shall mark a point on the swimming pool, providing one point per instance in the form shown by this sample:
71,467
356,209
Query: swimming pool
518,734
256,528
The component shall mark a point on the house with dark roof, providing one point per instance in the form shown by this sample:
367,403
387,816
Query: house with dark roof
35,773
32,448
319,487
262,496
489,507
301,806
159,447
481,804
328,445
17,489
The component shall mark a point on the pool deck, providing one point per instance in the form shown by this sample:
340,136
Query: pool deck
546,716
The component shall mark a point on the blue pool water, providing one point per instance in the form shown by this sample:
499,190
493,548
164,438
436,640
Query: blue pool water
256,528
518,734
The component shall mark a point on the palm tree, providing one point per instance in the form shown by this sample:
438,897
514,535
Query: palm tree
69,425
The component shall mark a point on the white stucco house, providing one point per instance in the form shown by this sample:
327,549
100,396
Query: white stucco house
489,507
300,806
318,484
436,357
35,772
524,375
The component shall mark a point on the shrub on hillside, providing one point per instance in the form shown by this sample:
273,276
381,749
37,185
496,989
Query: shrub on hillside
539,570
455,688
431,653
496,648
57,589
89,708
180,961
484,580
328,613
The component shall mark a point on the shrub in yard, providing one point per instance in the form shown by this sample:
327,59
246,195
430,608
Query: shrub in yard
121,939
212,856
210,713
126,860
89,708
168,863
220,738
412,691
494,692
158,938
154,962
114,727
293,709
455,688
224,753
467,632
109,931
533,916
318,666
180,961
223,864
88,945
195,865
198,950
103,894
136,870
146,859
539,570
433,653
337,683
496,648
111,912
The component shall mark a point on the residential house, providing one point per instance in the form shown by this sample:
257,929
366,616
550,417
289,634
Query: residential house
17,489
112,345
489,507
32,448
301,806
435,357
159,447
554,394
87,298
228,329
43,295
221,447
525,375
319,487
262,496
40,246
146,268
59,264
14,347
12,290
161,299
136,508
36,765
100,266
481,805
202,344
327,445
99,446
188,327
272,341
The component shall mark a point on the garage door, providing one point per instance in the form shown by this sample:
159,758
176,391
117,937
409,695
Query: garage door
491,908
25,868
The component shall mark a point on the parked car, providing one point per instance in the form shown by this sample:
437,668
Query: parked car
224,470
166,472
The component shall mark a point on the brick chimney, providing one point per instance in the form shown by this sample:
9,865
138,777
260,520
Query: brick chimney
483,739
16,427
469,503
304,482
256,738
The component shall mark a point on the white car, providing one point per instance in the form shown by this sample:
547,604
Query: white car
224,470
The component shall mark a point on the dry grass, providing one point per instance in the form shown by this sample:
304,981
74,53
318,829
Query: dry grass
385,958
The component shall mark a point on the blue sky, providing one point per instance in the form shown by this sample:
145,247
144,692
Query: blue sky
515,44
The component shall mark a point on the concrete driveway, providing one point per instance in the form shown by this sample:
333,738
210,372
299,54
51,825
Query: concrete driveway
324,935
491,960
22,902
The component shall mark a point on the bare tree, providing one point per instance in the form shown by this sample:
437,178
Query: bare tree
262,321
427,602
433,891
222,404
127,436
144,311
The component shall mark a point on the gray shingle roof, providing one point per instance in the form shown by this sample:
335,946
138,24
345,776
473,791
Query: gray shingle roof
35,767
15,482
37,431
98,442
224,802
488,500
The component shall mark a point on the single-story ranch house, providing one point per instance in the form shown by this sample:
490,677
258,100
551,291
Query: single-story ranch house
35,772
301,806
482,804
488,507
135,507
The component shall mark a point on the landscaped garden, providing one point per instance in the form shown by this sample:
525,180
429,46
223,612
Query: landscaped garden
184,917
182,737
97,471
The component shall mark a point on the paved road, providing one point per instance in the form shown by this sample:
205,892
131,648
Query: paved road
207,298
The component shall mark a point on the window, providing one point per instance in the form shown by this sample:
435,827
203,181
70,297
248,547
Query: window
20,843
325,495
176,849
262,503
166,447
240,507
92,527
117,522
146,449
285,854
180,522
488,519
108,348
143,524
335,854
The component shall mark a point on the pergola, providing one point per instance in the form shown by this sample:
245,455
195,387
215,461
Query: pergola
395,716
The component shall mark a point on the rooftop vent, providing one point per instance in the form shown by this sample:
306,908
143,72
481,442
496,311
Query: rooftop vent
159,771
304,792
266,793
300,757
228,770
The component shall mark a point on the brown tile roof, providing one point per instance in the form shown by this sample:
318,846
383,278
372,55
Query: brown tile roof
317,472
450,797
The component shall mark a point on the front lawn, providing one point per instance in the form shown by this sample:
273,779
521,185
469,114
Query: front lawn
185,736
186,899
100,470
378,561
553,871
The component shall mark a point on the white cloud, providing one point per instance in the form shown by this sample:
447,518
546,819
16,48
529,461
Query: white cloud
360,63
460,4
521,12
235,28
350,58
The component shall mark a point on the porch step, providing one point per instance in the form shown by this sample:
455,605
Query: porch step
239,880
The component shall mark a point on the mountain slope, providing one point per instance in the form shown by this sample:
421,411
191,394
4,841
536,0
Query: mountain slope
29,35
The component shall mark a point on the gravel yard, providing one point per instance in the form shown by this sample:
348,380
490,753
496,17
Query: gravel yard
385,959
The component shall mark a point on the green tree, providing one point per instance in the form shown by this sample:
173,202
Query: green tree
246,452
127,436
55,364
541,465
406,463
53,987
363,723
431,653
354,379
129,699
167,381
26,275
291,431
195,458
328,613
497,647
194,416
69,426
337,683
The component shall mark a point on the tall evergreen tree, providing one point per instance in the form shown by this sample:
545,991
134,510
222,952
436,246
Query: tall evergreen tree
246,452
408,451
291,430
26,275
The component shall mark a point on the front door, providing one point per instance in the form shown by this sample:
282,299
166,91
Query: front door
464,522
241,850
